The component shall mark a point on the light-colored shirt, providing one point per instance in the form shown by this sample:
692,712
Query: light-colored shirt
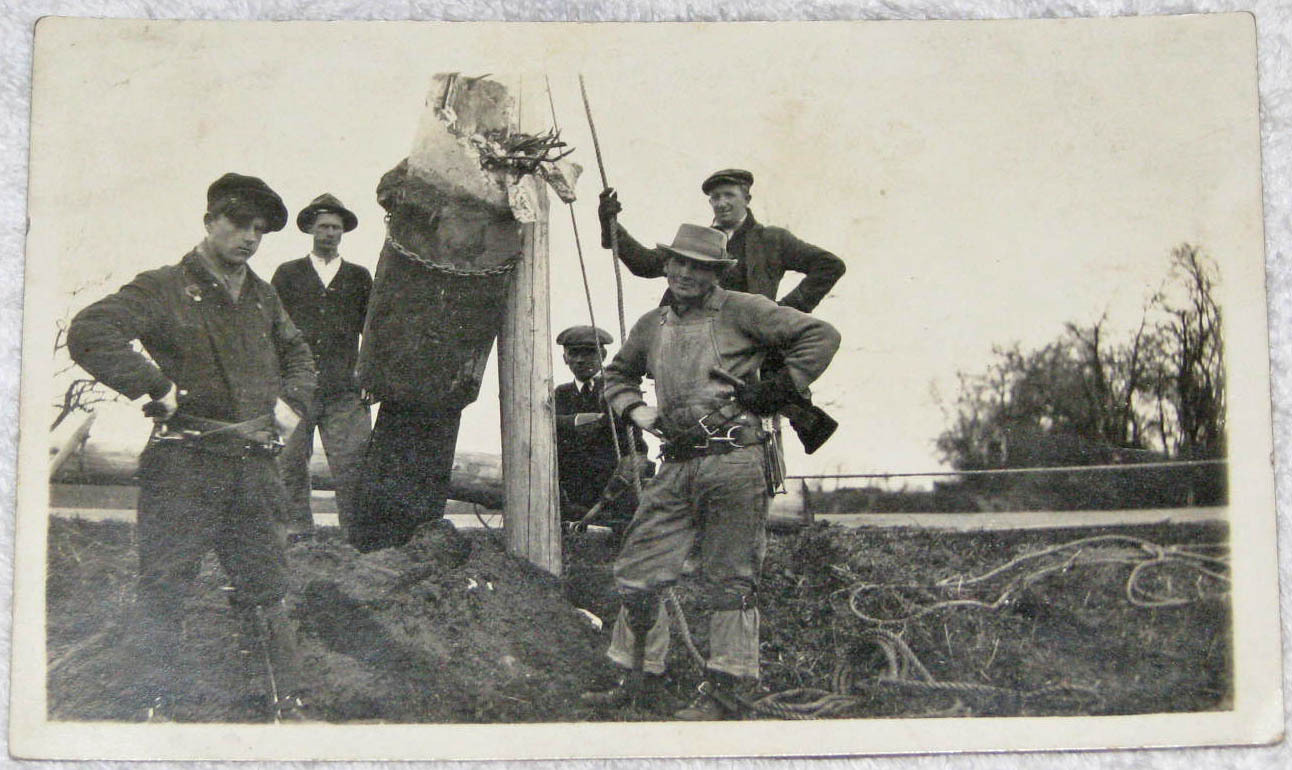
730,230
326,270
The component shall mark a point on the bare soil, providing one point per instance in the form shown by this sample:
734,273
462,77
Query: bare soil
452,629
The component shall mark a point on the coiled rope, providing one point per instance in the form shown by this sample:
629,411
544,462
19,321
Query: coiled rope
903,669
1144,556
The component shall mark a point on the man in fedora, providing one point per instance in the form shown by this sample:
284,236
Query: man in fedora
713,482
228,375
327,298
761,254
585,439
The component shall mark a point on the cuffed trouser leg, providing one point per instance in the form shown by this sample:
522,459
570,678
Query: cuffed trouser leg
733,503
733,642
622,638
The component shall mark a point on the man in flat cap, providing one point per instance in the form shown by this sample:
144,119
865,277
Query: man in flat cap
713,482
227,376
585,438
327,299
762,253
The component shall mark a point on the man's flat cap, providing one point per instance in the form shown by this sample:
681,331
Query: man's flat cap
583,337
727,176
327,203
250,189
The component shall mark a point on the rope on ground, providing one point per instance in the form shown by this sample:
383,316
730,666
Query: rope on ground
1144,556
904,670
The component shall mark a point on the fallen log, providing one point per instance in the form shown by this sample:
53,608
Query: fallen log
476,477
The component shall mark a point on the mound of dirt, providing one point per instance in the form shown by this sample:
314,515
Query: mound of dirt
446,629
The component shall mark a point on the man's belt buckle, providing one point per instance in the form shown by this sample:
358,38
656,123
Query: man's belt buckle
714,433
732,437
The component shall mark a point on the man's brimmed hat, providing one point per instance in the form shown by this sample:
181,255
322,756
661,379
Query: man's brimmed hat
240,188
584,337
327,203
700,243
727,176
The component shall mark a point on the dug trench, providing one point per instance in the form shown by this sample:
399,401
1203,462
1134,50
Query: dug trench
450,628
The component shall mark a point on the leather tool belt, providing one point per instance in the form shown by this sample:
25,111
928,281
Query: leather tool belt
256,437
717,433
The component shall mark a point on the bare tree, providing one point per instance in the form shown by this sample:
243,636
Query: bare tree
82,392
1161,385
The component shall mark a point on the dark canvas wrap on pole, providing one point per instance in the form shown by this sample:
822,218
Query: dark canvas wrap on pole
465,260
437,298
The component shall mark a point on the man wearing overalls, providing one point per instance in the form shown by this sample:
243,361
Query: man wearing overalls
713,482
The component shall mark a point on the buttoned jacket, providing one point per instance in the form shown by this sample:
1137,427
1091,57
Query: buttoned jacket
763,255
331,317
233,359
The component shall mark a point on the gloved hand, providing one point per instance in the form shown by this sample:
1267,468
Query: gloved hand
163,407
607,209
767,396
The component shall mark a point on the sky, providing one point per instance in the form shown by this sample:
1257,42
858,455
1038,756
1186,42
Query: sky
985,182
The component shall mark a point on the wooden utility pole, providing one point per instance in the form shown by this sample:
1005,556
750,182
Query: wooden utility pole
532,519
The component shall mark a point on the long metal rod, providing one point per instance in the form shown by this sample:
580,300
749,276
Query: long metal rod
614,259
614,229
587,291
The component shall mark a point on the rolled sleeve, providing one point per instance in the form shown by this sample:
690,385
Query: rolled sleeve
624,373
807,343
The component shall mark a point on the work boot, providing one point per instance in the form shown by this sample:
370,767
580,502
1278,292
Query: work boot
157,711
648,693
715,702
291,709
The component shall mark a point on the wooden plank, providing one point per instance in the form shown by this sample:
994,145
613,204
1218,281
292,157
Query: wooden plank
72,444
532,516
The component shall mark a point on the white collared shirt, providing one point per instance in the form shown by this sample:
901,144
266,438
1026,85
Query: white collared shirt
326,270
732,231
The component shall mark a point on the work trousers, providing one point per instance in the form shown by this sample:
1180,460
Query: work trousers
192,502
722,499
344,423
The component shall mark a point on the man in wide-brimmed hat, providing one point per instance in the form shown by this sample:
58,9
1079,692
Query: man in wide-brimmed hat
327,298
761,254
713,482
228,376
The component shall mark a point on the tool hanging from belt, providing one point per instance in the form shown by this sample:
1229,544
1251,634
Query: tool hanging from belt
257,436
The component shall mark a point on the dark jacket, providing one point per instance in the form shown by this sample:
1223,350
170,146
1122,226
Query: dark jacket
762,254
235,359
585,455
331,317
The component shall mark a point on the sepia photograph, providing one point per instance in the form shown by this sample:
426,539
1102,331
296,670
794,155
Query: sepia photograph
522,391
